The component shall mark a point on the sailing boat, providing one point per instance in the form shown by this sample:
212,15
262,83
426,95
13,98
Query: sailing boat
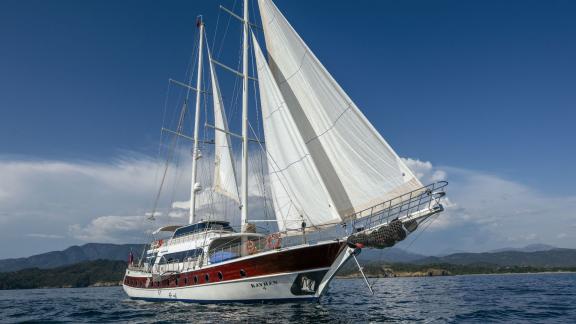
336,185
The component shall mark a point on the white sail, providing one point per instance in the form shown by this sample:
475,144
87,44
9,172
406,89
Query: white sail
356,164
224,172
297,190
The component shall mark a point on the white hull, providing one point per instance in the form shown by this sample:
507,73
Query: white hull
266,288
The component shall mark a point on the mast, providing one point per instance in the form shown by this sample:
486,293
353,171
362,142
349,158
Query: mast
195,152
244,198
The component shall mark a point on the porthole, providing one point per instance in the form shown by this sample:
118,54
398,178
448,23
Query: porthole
220,276
207,277
195,279
242,273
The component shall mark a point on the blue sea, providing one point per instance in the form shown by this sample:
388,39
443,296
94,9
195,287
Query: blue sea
536,298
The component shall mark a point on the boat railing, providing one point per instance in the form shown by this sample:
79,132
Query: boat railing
243,247
421,202
137,267
417,203
202,234
169,267
425,200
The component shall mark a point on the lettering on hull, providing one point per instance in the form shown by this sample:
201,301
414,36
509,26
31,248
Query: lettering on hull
263,284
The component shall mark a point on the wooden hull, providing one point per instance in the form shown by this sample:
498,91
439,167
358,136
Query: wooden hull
300,273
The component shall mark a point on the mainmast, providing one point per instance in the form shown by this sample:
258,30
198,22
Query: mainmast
244,198
195,150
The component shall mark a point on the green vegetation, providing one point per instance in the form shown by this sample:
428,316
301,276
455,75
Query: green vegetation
84,274
442,269
109,272
456,269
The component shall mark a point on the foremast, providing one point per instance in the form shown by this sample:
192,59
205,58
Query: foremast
195,150
244,191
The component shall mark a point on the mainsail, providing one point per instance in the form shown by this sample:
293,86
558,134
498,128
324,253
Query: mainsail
224,172
297,190
355,164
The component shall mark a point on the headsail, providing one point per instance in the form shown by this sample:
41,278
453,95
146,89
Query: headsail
297,190
224,171
356,164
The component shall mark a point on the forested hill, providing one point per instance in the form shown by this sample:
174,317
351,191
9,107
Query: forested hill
110,272
542,259
72,255
84,274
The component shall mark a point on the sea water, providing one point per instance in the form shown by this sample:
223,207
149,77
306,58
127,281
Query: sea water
537,298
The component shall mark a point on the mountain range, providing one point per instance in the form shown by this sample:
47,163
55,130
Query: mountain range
72,255
543,259
539,255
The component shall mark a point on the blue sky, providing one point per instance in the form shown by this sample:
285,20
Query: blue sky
486,87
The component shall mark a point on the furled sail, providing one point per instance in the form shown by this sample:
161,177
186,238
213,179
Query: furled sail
355,163
224,172
297,190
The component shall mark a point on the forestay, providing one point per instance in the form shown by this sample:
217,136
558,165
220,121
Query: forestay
355,164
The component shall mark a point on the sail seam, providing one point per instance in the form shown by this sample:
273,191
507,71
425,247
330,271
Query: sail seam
297,70
292,163
278,108
331,126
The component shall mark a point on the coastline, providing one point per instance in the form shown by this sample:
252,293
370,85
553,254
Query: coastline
107,273
359,276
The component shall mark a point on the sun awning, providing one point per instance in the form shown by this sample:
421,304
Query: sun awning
169,228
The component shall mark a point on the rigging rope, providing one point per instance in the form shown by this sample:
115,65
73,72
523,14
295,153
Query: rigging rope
188,74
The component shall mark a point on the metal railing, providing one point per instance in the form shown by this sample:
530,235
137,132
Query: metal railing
422,201
245,246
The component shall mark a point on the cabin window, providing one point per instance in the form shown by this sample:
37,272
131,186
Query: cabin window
242,273
195,279
207,277
220,276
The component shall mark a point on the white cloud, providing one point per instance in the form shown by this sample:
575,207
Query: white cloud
45,236
424,170
486,211
117,229
45,196
83,201
65,202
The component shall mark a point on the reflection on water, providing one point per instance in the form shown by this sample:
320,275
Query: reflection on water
497,298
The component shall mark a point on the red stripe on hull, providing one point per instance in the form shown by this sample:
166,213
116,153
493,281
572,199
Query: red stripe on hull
312,257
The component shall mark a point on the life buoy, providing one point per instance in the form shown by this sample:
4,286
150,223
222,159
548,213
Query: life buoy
251,247
273,241
157,244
